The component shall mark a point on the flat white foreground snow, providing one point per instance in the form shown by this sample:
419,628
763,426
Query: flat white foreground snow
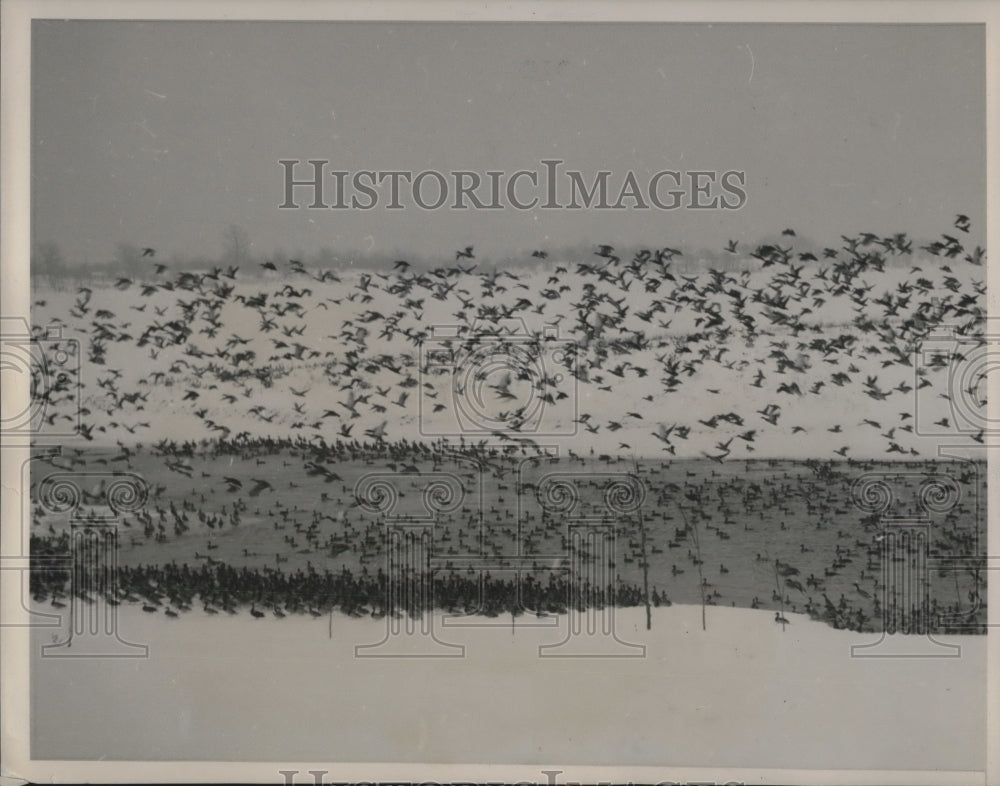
745,693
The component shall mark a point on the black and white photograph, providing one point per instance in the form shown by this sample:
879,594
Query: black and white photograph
544,394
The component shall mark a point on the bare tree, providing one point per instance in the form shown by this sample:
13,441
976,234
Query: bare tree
127,257
237,245
47,260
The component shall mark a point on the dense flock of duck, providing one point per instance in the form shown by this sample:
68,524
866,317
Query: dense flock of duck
254,405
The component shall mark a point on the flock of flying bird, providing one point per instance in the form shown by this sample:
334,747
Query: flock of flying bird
339,360
795,328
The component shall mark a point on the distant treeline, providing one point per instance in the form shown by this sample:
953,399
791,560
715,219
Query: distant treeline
137,262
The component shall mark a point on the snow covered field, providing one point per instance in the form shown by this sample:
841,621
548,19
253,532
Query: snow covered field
745,693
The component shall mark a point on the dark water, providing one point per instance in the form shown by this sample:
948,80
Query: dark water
777,534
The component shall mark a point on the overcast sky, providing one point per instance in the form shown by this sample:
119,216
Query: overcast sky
163,133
